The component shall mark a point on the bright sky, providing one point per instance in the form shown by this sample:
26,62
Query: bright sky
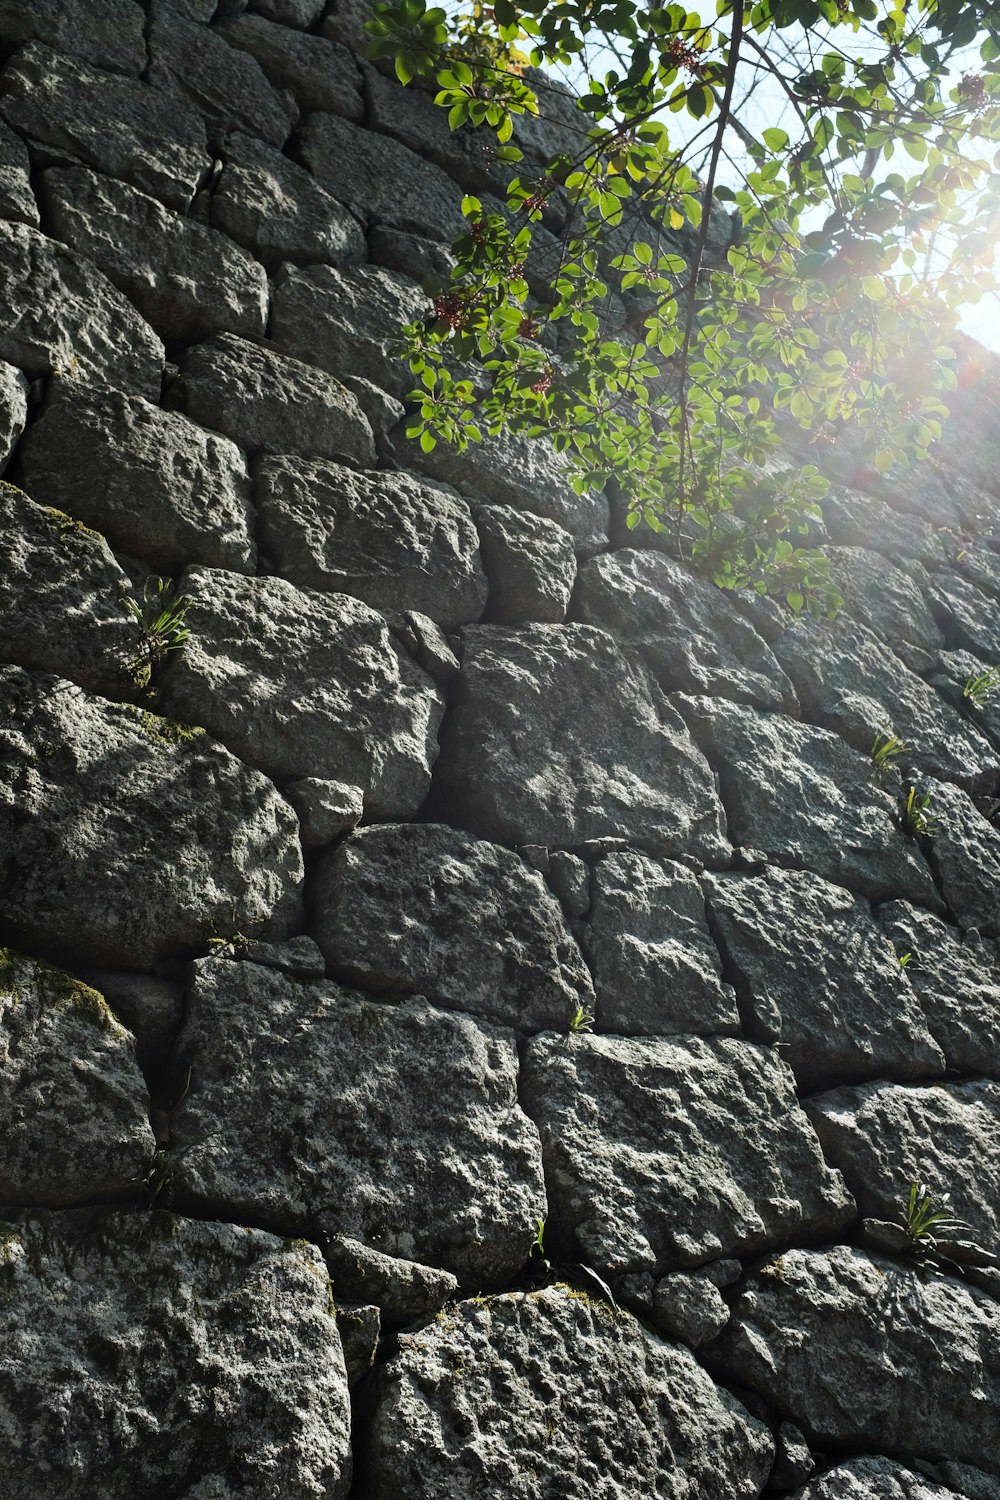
761,102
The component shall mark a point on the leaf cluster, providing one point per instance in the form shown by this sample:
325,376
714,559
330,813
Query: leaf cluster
669,351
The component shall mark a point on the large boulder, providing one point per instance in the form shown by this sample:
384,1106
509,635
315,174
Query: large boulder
59,314
556,738
383,183
346,321
17,201
887,598
74,1113
806,799
395,540
395,1125
965,852
956,978
863,1353
552,1393
691,635
814,974
186,279
61,594
225,85
530,563
423,908
156,484
141,1351
107,33
77,115
276,210
127,837
849,681
320,73
667,1152
966,615
656,969
304,684
521,472
268,403
884,1136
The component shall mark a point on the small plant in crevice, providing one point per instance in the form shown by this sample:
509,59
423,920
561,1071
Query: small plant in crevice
159,616
885,752
919,819
980,686
904,959
928,1219
581,1021
158,1183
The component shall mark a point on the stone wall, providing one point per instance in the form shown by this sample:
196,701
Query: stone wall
466,871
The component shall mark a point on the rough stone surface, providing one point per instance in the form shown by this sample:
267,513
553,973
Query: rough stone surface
398,1126
153,482
73,1105
276,210
965,852
17,201
326,809
793,1461
59,313
690,634
346,320
889,601
519,472
360,1329
225,85
185,279
873,1479
320,73
305,684
422,908
13,410
61,598
807,800
956,978
108,33
403,1291
850,683
867,1353
151,1008
468,154
689,1307
210,1352
814,974
549,1393
397,541
98,799
656,969
884,1136
78,115
380,181
530,564
555,738
268,403
662,1153
289,12
966,615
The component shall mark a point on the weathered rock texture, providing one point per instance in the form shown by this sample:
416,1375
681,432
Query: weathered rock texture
472,891
501,1393
210,1351
397,1125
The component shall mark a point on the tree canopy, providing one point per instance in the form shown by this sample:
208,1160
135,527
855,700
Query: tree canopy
723,298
